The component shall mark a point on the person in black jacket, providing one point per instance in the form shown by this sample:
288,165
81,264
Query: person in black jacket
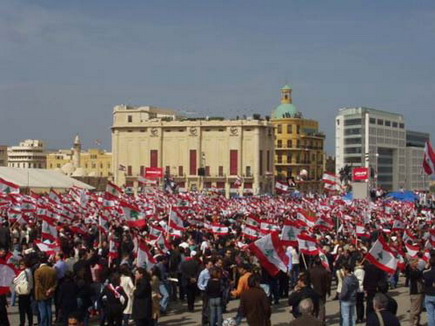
114,300
142,302
67,298
302,291
372,277
429,291
380,303
321,280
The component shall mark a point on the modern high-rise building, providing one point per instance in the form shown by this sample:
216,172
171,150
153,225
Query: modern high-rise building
94,162
198,153
28,154
415,178
299,145
374,139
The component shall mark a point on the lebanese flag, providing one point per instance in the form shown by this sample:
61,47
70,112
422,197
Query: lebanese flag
113,191
307,245
324,260
290,232
175,220
7,274
48,248
134,217
398,225
219,229
144,258
154,232
251,232
271,254
307,217
48,231
54,197
332,181
324,223
162,244
361,231
382,256
412,250
267,227
252,221
103,224
113,250
281,187
429,159
408,235
8,187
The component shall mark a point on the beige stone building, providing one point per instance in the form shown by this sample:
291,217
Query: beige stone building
299,145
30,154
222,149
3,155
74,162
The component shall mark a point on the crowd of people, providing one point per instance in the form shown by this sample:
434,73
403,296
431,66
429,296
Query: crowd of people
125,260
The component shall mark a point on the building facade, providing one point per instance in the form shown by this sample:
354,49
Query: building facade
299,145
374,139
29,154
415,178
225,150
74,162
3,155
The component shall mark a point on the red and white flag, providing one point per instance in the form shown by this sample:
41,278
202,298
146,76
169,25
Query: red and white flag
175,220
324,260
251,232
48,248
429,159
144,258
281,187
382,256
361,231
412,250
398,225
48,231
332,181
7,187
7,274
133,216
307,217
271,254
289,233
307,245
113,191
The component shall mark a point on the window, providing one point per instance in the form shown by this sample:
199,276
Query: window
279,158
260,163
388,123
248,171
142,170
352,131
221,171
401,125
279,143
180,170
154,158
394,124
289,143
289,158
372,120
94,166
167,170
279,129
289,129
129,170
352,141
130,118
268,161
192,162
352,122
207,171
380,122
338,122
233,161
298,129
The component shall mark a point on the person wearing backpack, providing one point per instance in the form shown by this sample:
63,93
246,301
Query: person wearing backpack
23,287
348,296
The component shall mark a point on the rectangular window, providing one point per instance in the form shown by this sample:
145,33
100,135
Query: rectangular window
388,123
268,161
352,122
129,170
142,170
180,170
167,170
380,122
192,162
372,120
289,143
207,171
221,171
260,163
298,129
289,129
220,185
130,118
279,129
352,131
154,156
279,158
248,171
234,161
401,125
279,143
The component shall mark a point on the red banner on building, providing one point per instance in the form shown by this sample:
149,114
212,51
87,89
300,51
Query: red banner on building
360,174
153,173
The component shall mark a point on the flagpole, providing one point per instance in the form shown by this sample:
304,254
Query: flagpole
305,263
169,219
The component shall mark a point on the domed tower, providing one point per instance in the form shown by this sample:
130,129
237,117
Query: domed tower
77,148
286,109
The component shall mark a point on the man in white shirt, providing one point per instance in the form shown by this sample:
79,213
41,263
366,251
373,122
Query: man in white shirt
203,279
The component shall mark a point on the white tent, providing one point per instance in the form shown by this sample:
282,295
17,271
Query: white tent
40,179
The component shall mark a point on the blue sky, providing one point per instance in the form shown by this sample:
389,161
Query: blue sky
65,64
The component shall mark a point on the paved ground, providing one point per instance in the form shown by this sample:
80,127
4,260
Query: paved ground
178,316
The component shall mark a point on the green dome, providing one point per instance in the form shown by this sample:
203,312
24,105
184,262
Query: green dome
286,87
284,110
